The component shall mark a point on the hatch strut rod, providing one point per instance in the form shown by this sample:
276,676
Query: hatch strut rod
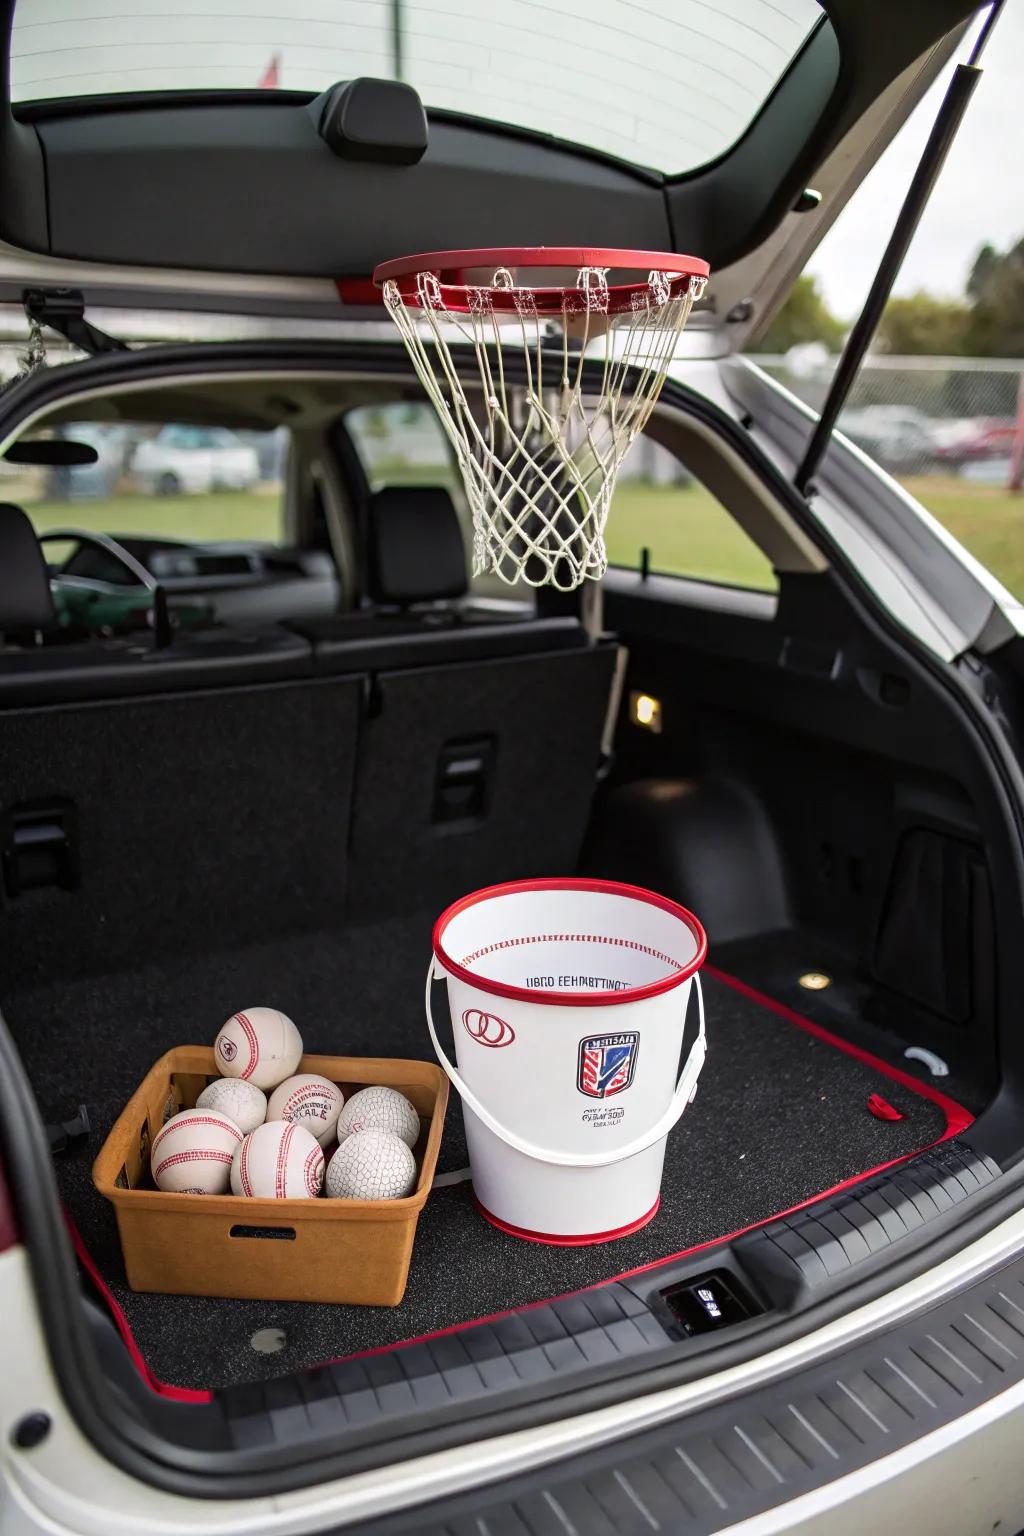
944,131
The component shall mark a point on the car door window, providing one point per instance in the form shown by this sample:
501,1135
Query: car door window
659,507
175,481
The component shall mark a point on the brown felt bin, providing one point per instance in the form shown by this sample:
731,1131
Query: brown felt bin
355,1251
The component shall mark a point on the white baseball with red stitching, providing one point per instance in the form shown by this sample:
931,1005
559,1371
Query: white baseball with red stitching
193,1152
309,1100
380,1109
259,1045
278,1161
242,1102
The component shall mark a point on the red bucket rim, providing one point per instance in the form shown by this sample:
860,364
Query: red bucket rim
572,999
451,268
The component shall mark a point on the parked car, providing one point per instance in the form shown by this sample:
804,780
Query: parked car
976,441
820,1326
901,439
187,460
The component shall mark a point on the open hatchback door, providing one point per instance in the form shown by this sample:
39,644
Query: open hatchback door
147,161
260,726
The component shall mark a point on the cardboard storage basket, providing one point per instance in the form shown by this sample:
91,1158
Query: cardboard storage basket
273,1250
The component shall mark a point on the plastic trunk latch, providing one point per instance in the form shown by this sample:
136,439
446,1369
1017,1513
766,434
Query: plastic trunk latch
38,846
463,783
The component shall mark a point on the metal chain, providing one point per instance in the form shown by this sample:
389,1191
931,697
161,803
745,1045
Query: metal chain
34,356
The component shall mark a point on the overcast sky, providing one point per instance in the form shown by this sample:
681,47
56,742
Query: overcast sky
979,197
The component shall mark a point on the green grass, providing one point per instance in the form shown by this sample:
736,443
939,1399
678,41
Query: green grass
685,528
988,520
687,532
221,515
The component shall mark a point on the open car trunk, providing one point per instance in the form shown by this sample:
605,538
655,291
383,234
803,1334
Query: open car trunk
275,812
282,839
275,830
262,814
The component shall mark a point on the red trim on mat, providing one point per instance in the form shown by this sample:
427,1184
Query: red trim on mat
179,1394
957,1120
560,1240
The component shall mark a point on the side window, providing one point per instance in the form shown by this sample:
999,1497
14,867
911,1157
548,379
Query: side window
195,484
658,506
403,443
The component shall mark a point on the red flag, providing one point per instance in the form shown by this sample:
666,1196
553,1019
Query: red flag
271,76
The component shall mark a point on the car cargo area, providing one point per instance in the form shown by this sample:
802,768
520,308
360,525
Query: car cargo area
780,1116
289,844
274,812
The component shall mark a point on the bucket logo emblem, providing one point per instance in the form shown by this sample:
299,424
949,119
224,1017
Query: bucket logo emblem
607,1063
487,1028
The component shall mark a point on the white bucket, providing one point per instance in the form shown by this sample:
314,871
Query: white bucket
568,1000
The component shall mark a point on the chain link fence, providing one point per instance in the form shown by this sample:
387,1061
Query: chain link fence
951,429
920,415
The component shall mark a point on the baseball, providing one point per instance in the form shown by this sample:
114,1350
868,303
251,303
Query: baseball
242,1102
310,1101
278,1161
380,1109
371,1165
260,1045
192,1154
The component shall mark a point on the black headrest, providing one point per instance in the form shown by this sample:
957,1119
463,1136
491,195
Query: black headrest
25,600
416,549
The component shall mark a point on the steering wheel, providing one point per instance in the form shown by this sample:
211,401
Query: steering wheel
162,633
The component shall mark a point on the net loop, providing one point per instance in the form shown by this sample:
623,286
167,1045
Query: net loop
593,284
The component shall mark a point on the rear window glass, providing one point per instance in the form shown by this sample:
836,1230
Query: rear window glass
668,84
176,481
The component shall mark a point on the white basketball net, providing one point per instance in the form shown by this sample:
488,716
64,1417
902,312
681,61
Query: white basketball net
539,464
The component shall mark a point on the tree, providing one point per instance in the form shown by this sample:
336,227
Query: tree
924,325
996,287
804,317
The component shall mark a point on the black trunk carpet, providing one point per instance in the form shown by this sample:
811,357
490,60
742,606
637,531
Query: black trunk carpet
779,1117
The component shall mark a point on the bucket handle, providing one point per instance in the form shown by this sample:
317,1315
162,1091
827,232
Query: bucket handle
685,1089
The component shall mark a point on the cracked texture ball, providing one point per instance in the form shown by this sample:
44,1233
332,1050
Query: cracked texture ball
371,1165
379,1109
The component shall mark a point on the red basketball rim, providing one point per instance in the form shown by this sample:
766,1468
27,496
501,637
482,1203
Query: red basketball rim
453,268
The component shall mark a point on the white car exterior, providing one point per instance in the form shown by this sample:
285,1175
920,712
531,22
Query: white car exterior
194,461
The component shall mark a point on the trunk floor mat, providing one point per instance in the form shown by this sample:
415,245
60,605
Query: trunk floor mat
780,1116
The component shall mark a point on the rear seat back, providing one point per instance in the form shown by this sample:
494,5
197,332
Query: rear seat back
25,600
217,794
473,773
172,825
479,751
415,551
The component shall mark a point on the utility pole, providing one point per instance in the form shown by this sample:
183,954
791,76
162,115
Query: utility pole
396,38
